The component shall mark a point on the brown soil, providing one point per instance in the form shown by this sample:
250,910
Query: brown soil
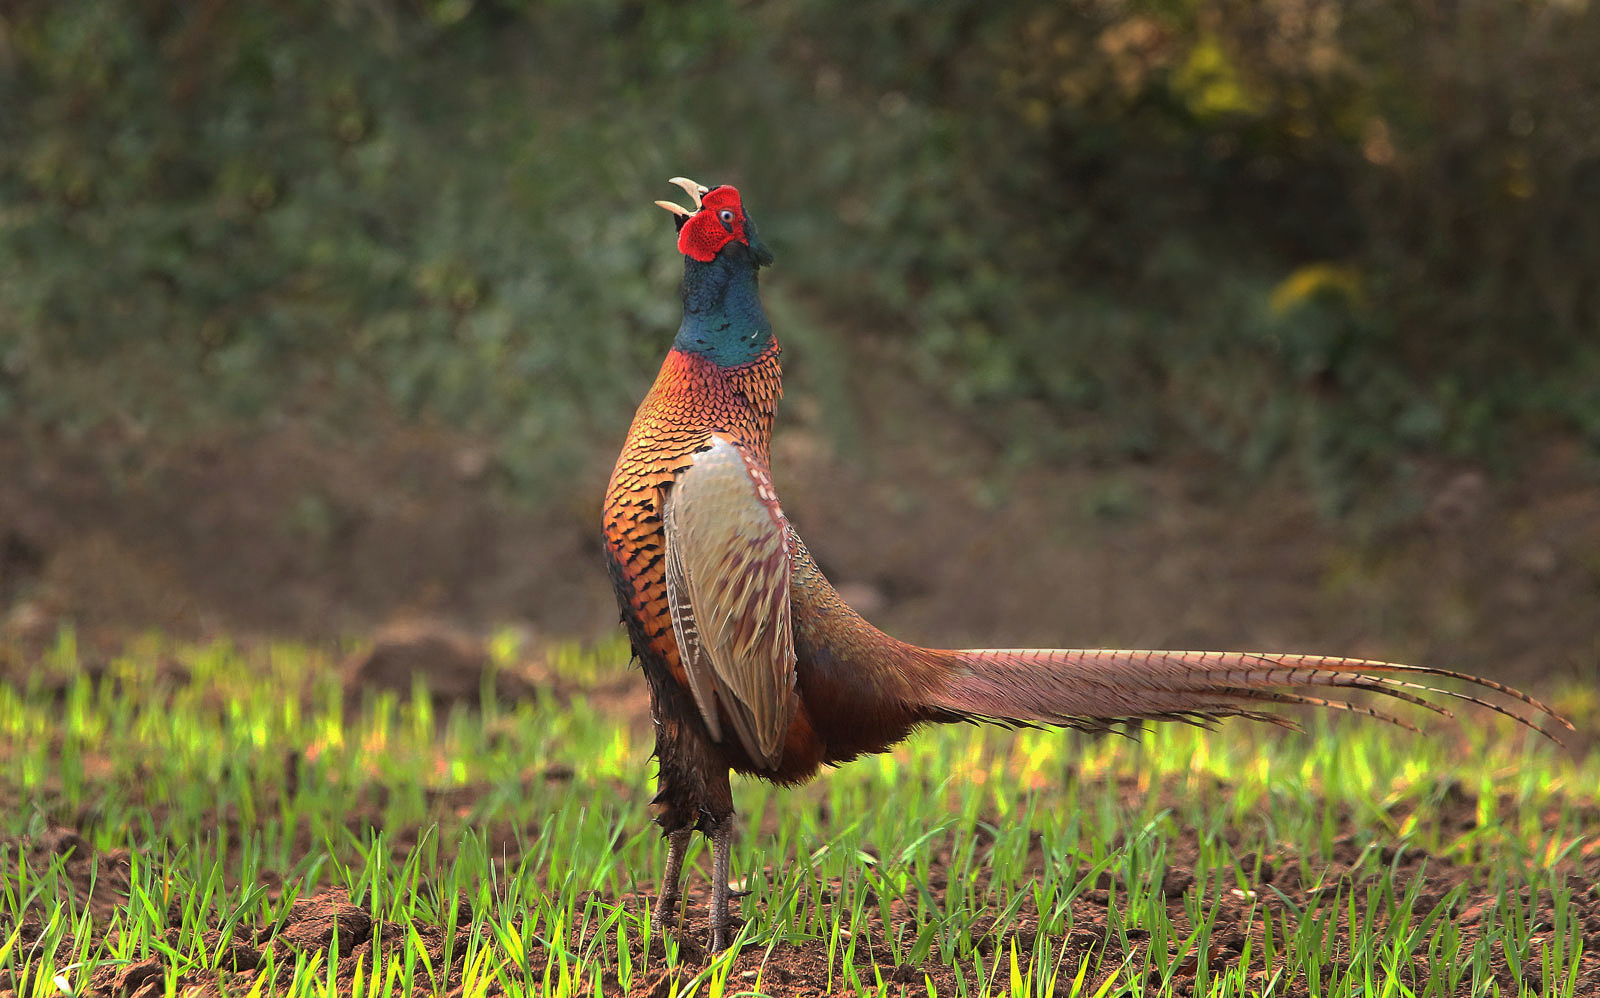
914,513
1273,882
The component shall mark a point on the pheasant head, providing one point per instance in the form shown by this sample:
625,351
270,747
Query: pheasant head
717,221
723,320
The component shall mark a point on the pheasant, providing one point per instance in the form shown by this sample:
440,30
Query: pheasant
756,665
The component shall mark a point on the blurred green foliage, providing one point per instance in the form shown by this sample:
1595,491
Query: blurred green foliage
1336,232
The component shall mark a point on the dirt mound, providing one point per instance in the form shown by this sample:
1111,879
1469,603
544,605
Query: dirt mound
453,665
99,879
456,667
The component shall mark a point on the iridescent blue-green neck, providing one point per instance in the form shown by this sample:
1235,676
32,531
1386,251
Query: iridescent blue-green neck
722,315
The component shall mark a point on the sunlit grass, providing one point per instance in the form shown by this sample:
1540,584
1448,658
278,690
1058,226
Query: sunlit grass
238,781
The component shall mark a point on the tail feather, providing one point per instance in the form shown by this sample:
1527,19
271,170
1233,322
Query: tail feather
1095,688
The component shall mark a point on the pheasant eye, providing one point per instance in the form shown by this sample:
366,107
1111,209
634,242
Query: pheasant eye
726,215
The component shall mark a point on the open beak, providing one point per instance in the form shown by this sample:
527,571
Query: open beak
695,192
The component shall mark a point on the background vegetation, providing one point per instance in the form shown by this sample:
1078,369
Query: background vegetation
1331,233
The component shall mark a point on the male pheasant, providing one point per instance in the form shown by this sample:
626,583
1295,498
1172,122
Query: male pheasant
754,662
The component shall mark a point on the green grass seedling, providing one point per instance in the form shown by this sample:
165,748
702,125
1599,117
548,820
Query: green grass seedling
509,849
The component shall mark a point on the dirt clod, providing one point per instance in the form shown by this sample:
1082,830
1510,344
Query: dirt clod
452,664
315,921
62,842
1175,882
138,978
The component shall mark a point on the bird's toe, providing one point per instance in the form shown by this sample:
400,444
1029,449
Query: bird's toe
665,917
722,935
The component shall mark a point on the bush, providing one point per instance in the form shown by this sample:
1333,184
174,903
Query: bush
1343,231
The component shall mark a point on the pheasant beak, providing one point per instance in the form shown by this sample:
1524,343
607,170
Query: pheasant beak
695,192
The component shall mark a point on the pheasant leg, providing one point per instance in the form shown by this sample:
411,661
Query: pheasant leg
721,847
671,892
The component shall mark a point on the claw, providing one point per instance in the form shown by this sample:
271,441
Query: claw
694,190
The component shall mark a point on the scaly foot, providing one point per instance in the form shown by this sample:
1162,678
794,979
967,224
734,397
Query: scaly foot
667,904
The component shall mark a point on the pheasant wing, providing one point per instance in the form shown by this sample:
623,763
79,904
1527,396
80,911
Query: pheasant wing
727,567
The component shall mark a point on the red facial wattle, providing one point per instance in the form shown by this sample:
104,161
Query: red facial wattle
719,222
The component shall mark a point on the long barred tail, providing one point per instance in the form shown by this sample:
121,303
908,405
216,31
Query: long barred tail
1093,688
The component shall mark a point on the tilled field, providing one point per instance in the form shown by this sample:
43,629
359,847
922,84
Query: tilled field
329,926
179,826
